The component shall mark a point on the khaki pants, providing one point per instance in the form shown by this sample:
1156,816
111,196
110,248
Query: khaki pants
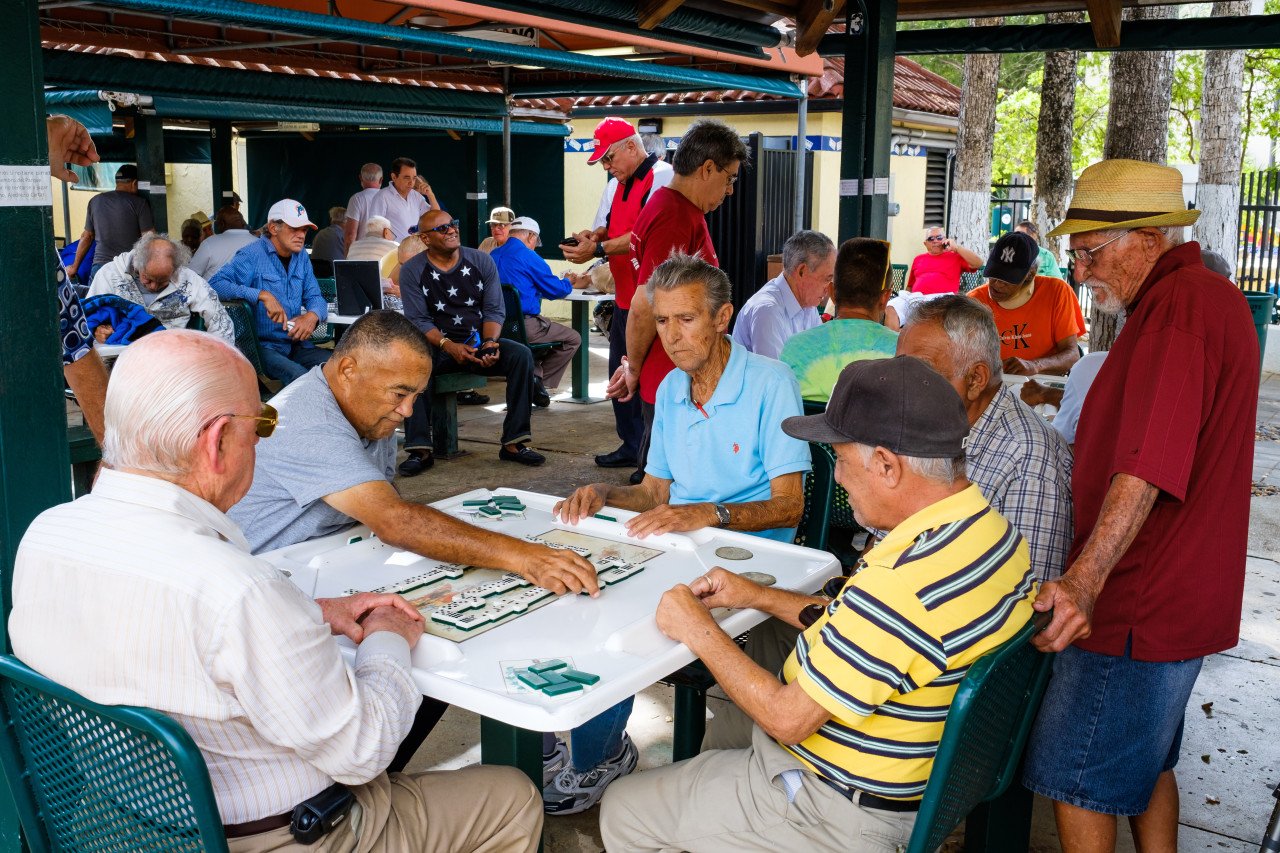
474,810
550,366
733,800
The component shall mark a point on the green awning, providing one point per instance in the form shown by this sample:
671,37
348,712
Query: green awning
84,106
203,108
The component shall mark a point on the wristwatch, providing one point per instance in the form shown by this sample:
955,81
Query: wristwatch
722,512
600,249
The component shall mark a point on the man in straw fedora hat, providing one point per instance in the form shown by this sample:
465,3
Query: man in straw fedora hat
1164,454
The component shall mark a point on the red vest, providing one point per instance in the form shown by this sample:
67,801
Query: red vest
628,199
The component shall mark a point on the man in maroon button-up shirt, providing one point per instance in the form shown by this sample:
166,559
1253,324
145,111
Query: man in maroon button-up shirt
1164,455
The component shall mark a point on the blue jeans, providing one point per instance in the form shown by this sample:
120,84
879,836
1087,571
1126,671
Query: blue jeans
1108,727
599,737
287,365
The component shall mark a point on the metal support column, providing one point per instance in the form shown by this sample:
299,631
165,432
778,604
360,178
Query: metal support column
867,117
34,466
802,132
478,198
220,156
148,138
506,137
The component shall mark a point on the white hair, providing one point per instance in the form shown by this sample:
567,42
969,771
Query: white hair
938,470
144,251
374,225
971,330
371,172
163,389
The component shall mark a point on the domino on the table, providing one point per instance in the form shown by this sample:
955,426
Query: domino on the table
537,682
578,676
547,666
562,687
559,546
613,575
611,561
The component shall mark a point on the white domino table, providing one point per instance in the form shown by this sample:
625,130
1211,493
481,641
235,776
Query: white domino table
614,636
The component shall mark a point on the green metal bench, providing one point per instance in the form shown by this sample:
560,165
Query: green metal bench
89,777
899,276
85,455
979,756
692,682
444,411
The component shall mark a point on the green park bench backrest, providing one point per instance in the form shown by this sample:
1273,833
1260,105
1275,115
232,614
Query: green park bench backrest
89,777
985,732
899,276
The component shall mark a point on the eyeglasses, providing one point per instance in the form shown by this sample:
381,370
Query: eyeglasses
732,178
452,225
1086,256
266,421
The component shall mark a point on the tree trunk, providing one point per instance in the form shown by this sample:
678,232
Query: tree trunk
971,189
1137,126
1221,148
1053,137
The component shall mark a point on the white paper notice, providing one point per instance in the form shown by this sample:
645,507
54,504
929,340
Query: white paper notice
25,186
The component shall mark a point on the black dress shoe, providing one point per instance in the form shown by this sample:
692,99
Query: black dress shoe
416,464
522,454
619,458
541,398
471,398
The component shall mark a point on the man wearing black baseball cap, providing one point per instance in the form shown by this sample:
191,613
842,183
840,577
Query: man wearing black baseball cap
115,220
1038,317
851,726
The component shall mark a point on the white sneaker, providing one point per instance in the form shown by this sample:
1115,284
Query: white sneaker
572,792
555,762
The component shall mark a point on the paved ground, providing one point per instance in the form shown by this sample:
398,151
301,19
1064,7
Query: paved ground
1231,752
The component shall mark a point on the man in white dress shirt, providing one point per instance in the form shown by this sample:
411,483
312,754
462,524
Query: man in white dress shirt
789,304
184,620
404,200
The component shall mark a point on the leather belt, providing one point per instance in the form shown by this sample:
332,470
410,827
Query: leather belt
254,827
871,801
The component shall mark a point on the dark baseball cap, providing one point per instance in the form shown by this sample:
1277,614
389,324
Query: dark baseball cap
127,172
1012,257
901,404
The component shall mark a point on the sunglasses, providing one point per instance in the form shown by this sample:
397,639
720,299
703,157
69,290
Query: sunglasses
452,225
935,239
266,421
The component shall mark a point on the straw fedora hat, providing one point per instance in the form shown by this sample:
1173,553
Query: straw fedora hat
1126,194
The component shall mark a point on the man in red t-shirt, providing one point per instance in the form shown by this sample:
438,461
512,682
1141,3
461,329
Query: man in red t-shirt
1164,457
706,167
938,269
1037,316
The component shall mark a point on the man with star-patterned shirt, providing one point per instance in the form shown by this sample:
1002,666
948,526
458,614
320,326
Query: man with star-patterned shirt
454,296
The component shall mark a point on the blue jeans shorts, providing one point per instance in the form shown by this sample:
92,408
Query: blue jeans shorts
1108,728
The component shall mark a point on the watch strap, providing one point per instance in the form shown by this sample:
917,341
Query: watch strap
722,512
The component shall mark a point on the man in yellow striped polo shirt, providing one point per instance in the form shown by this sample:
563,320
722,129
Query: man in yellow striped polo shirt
836,753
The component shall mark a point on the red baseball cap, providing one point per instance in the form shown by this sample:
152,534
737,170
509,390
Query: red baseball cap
610,132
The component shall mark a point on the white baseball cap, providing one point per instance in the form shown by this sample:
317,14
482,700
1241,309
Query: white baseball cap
527,223
290,212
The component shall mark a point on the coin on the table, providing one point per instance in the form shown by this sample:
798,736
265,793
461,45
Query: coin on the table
760,578
729,552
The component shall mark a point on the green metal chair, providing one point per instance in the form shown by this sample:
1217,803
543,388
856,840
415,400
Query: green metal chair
241,314
970,280
899,276
982,742
692,682
329,290
85,455
89,777
513,325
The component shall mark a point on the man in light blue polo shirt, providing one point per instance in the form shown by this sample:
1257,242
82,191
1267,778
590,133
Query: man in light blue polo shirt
788,304
717,458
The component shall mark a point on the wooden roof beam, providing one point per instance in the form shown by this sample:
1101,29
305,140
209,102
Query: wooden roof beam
813,18
1104,18
651,13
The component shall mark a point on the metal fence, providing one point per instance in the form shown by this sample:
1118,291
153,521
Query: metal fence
1010,204
1259,230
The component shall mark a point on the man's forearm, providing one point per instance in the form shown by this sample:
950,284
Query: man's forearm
88,380
784,604
778,511
619,245
86,238
433,534
1059,361
970,258
641,329
1124,510
349,229
751,687
634,498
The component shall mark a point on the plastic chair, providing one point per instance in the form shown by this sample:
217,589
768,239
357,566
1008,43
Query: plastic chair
513,325
899,276
819,489
242,322
95,777
982,741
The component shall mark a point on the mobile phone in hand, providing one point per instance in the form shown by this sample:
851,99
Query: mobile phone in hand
571,240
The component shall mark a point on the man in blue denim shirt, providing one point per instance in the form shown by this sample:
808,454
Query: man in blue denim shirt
274,274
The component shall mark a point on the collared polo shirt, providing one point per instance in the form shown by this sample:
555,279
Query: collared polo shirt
943,588
1174,404
727,450
771,317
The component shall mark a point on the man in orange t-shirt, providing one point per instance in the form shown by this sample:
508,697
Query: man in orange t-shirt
1038,317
